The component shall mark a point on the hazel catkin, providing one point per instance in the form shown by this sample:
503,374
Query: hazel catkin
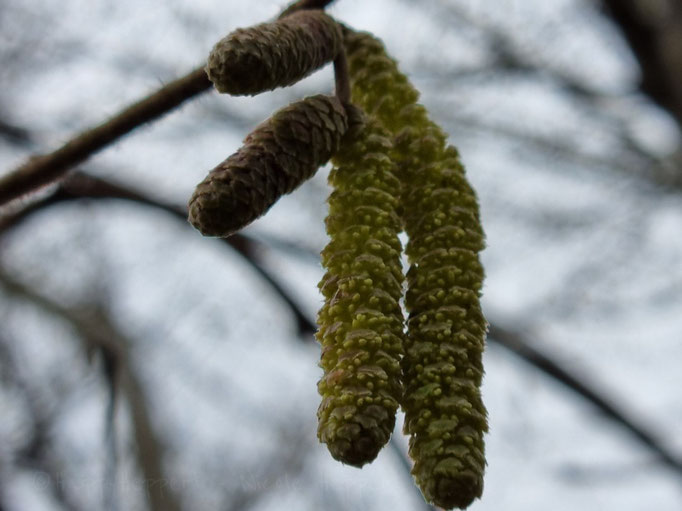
270,55
442,366
361,321
278,156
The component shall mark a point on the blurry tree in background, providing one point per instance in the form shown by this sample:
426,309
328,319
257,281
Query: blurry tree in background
145,367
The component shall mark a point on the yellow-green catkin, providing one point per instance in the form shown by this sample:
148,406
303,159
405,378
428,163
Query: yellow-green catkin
263,57
361,321
442,367
277,157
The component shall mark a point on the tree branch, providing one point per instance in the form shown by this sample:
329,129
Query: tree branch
654,32
41,170
305,4
97,331
516,344
47,168
14,134
510,57
38,453
80,186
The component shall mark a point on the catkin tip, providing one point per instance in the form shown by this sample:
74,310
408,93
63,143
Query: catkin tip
357,451
214,215
457,491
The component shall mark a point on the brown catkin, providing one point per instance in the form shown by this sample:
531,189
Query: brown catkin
279,155
270,55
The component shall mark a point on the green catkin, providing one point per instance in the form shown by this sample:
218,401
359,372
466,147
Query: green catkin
442,366
361,321
276,158
270,55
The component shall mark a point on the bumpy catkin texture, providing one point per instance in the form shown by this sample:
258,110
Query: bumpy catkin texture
442,366
269,55
276,157
361,321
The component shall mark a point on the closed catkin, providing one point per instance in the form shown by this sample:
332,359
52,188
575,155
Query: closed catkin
361,321
442,366
260,58
276,158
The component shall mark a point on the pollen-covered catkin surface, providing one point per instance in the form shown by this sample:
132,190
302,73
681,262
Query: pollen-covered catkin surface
276,158
361,321
270,55
442,367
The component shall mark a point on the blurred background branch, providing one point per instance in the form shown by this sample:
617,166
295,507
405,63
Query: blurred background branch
565,113
654,32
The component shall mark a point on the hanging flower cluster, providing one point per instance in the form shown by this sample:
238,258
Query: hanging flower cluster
361,321
442,367
393,171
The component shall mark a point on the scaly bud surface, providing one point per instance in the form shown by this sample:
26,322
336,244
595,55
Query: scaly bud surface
442,368
276,158
270,55
361,321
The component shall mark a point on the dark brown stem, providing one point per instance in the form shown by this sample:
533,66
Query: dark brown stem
341,77
305,4
41,170
654,36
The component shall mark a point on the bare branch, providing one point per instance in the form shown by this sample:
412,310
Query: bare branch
81,186
14,134
41,170
515,343
44,169
509,57
38,454
305,4
97,331
654,32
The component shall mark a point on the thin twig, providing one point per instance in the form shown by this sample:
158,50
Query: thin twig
41,170
406,465
509,56
111,368
82,187
97,331
655,42
38,453
515,343
341,77
305,4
